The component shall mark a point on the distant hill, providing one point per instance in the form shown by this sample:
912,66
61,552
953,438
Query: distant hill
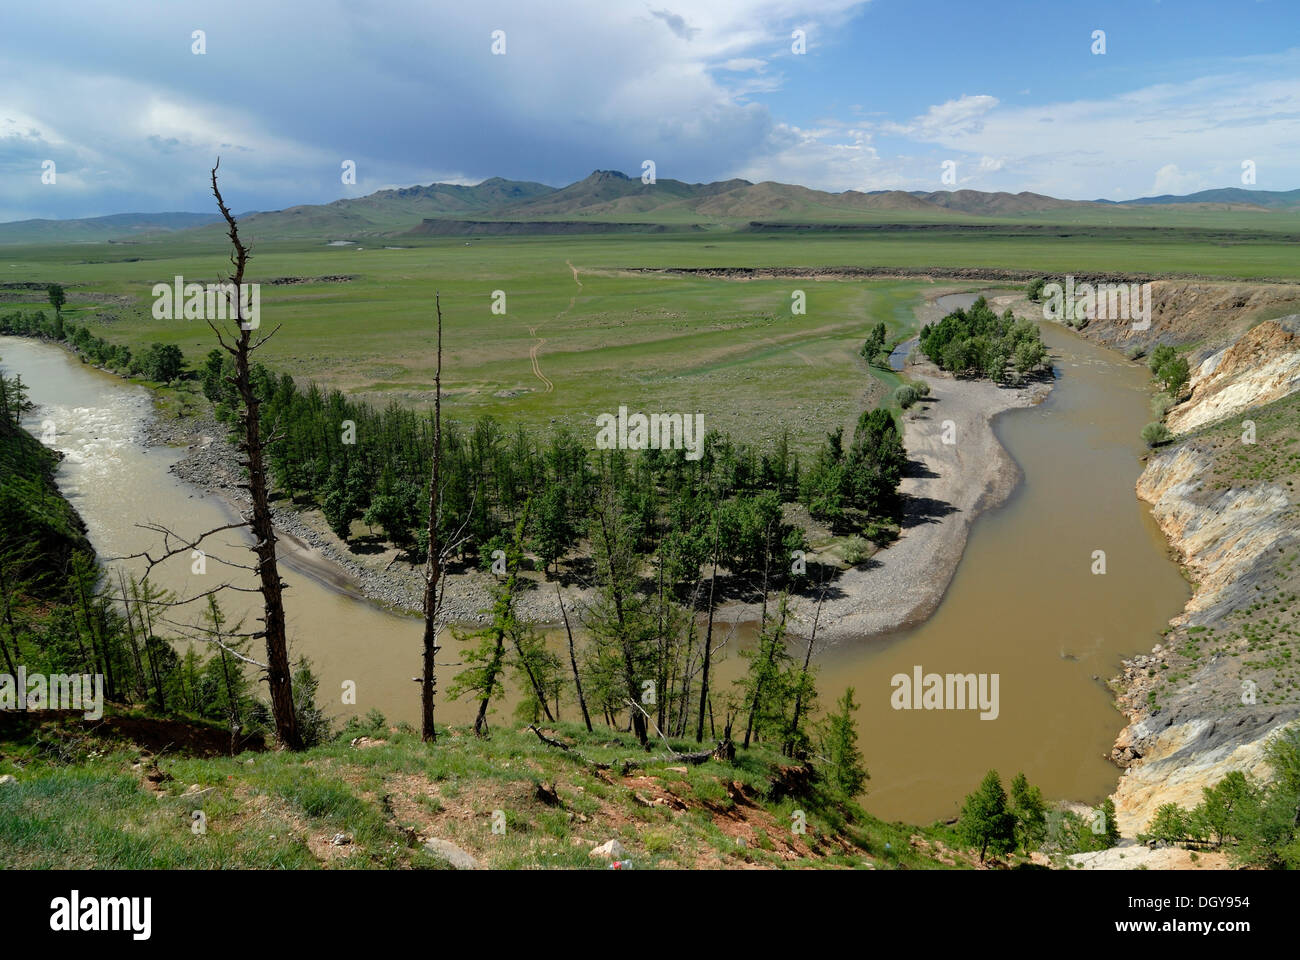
390,211
447,227
118,226
624,204
997,204
1236,196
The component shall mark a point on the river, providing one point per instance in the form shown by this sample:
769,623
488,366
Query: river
1023,603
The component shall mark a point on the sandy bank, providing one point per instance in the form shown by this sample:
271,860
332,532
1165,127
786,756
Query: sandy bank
948,486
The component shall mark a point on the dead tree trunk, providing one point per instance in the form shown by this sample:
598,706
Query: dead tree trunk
8,619
278,675
142,688
803,678
708,644
433,560
493,671
573,661
778,638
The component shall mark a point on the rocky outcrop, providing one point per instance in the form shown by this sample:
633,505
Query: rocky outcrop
1202,316
1221,536
1209,697
1261,367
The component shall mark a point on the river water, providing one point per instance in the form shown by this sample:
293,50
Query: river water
1024,603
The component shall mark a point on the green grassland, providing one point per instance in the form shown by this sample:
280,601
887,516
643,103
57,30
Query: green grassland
732,351
729,349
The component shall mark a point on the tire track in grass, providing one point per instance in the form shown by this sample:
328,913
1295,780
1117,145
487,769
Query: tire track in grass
532,332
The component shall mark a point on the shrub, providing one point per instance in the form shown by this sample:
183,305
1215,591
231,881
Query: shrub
905,396
1154,434
856,550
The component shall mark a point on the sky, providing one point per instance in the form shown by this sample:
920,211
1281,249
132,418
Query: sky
886,94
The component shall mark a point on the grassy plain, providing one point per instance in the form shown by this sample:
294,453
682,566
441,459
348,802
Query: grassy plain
604,336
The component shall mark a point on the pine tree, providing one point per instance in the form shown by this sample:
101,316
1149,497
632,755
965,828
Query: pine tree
1030,811
985,821
845,771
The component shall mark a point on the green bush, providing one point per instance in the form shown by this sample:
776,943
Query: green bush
1154,434
905,396
855,551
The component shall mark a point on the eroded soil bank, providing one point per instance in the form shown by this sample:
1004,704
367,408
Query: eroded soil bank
1224,679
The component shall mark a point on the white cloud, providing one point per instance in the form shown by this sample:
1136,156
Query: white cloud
947,121
404,88
1169,179
1082,148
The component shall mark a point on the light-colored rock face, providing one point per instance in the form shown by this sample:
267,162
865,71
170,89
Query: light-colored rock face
1175,771
1138,857
1230,540
1263,366
1221,539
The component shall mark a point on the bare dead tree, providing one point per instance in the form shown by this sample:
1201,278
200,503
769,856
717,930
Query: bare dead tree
573,661
253,445
803,676
433,561
708,640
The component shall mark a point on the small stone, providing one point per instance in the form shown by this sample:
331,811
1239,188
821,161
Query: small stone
340,839
451,854
610,850
8,778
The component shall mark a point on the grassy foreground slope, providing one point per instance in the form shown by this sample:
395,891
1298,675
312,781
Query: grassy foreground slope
98,798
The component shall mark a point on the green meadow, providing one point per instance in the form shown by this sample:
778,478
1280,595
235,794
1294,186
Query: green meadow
730,349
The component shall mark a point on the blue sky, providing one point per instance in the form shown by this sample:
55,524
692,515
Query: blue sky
1010,92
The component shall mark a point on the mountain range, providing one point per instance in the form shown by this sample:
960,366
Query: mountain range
617,202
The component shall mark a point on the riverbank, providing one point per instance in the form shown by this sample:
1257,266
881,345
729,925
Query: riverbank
947,487
958,469
1221,682
211,465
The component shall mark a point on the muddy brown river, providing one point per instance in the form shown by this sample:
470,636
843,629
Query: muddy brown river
1024,603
